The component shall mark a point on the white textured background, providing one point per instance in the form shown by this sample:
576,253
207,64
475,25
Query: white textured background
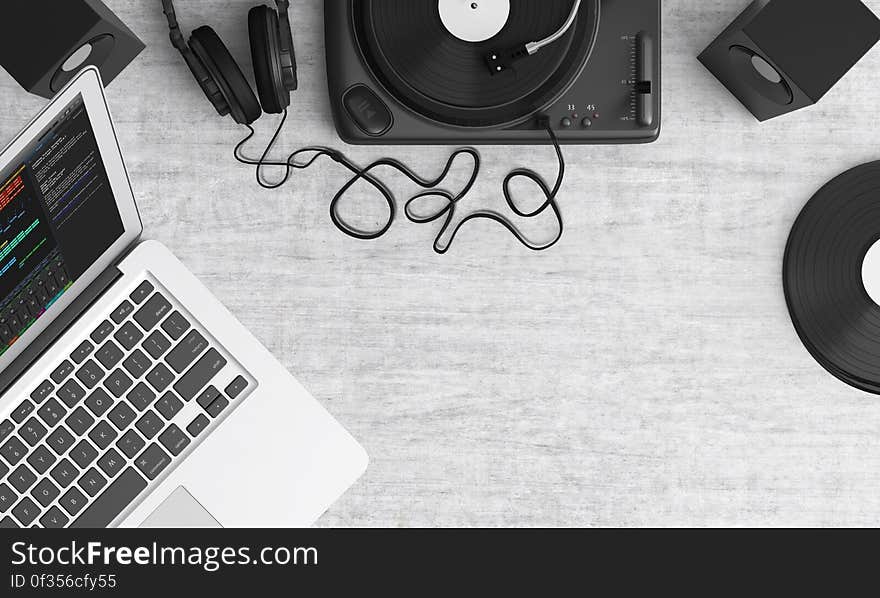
644,372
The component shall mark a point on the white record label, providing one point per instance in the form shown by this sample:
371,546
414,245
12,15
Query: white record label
474,20
871,273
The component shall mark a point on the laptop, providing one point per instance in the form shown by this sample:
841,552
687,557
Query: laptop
130,395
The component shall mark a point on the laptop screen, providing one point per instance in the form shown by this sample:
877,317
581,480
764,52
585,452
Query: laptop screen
57,216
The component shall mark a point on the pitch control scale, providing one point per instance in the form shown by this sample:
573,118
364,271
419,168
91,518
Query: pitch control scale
640,79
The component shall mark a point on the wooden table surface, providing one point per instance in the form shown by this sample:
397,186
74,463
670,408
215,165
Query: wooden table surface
643,372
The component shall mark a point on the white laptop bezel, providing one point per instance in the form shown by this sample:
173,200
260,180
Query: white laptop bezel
88,85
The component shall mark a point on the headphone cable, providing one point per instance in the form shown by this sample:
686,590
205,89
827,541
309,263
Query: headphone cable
305,157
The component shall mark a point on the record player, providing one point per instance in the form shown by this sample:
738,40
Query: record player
457,71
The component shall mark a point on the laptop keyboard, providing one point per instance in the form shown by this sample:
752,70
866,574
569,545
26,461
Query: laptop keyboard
127,405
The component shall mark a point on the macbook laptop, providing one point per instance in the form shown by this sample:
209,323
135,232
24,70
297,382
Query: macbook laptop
130,395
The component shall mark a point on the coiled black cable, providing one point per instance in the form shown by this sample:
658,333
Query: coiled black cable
430,186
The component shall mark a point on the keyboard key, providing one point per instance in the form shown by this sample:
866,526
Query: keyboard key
13,450
90,374
156,308
156,344
8,523
117,383
92,481
42,392
200,374
32,431
99,402
236,387
79,421
7,497
113,501
137,363
130,444
196,426
6,428
101,332
128,336
121,416
141,396
45,492
142,292
215,408
71,393
26,511
22,478
111,463
169,405
22,411
60,440
62,372
41,459
54,519
83,454
64,473
109,355
84,349
152,461
175,325
186,351
150,424
121,312
73,501
102,435
174,440
207,396
160,377
52,412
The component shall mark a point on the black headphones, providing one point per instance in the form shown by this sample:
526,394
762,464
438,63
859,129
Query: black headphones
221,78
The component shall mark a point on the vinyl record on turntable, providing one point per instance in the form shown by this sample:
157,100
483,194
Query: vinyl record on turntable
432,56
831,277
490,72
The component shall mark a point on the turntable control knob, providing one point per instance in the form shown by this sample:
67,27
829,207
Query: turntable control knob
565,122
586,123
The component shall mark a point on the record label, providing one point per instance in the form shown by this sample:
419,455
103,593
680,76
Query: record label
474,20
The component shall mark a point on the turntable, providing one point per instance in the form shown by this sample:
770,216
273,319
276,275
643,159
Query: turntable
475,71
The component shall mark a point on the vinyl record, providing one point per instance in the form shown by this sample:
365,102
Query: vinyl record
445,78
831,310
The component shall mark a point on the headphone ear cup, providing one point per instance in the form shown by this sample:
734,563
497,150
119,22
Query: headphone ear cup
212,52
266,57
206,82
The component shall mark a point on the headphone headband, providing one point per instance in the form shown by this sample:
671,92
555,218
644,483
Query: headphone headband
177,39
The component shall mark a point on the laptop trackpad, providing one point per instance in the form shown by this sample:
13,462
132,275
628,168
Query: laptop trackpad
180,509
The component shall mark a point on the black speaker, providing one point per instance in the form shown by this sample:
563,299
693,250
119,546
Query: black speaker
45,44
782,55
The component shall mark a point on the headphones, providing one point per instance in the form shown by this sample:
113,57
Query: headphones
220,77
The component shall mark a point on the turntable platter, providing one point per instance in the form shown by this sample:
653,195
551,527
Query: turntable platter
444,78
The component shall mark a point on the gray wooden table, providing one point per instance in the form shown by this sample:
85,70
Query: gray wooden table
644,372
